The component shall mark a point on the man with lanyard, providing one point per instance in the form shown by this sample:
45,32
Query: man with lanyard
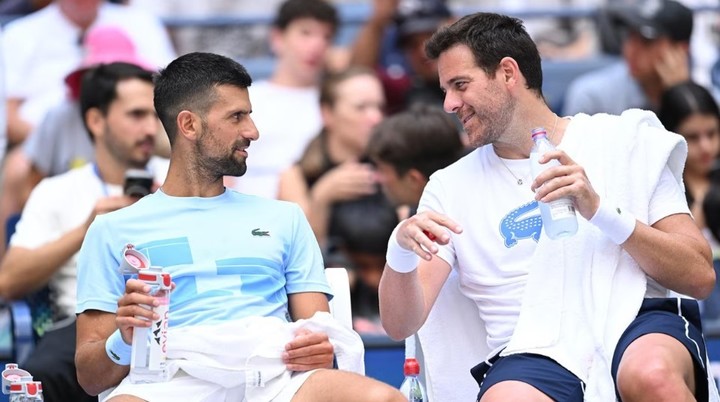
117,105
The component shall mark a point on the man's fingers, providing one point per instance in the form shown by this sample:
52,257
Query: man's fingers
134,285
440,220
135,310
126,322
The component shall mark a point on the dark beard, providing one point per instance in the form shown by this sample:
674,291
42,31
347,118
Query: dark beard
224,166
232,167
227,165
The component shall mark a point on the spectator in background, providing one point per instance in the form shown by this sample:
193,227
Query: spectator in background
409,147
690,110
414,22
61,142
40,50
332,169
117,104
655,47
286,109
43,47
337,188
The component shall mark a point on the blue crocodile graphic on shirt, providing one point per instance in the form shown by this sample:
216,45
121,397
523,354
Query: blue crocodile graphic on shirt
513,229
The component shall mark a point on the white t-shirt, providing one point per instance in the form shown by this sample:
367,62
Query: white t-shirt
501,226
43,47
287,119
59,204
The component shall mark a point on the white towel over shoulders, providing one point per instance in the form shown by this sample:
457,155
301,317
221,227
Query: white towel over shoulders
576,314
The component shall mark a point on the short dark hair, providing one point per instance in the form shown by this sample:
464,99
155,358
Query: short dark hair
189,82
98,88
423,137
682,100
292,10
491,37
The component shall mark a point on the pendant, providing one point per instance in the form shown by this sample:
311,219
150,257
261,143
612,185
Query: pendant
520,182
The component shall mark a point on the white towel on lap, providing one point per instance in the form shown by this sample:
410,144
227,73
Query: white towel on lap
247,354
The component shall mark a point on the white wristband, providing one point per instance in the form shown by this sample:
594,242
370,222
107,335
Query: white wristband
117,350
398,258
615,223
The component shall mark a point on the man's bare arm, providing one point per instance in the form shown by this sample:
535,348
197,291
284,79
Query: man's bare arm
95,371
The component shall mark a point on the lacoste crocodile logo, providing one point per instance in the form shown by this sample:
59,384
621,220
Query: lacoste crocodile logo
115,356
258,232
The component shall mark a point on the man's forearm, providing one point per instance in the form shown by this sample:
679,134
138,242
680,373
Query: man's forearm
676,260
25,270
366,49
95,371
402,307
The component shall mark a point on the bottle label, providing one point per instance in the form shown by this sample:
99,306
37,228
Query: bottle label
562,208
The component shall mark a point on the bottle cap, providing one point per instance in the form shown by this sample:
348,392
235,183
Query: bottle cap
539,131
411,367
133,260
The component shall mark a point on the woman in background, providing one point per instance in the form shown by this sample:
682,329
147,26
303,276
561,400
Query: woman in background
333,168
337,188
690,110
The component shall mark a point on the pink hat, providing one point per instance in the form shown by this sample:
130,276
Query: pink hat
104,44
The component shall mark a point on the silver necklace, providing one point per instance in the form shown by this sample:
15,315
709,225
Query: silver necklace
519,180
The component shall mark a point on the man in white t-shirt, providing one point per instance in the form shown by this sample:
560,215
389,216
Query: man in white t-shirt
117,102
43,47
287,106
565,318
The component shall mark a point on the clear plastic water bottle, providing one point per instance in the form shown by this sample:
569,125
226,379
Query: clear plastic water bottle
558,217
149,345
411,387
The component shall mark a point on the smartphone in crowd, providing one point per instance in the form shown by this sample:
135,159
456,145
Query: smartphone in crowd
138,183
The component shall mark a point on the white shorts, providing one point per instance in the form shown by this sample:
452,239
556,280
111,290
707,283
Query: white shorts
183,387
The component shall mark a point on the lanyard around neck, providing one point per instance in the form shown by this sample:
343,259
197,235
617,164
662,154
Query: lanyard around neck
96,170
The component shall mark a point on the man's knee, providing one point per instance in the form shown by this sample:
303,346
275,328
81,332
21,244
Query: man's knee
642,377
655,370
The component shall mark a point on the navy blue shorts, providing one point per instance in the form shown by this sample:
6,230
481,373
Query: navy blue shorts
678,318
541,372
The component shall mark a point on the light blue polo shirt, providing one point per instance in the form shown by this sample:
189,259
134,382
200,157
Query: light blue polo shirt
230,256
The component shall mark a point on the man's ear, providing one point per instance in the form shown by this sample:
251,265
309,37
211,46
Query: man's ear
417,179
509,71
189,125
95,122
